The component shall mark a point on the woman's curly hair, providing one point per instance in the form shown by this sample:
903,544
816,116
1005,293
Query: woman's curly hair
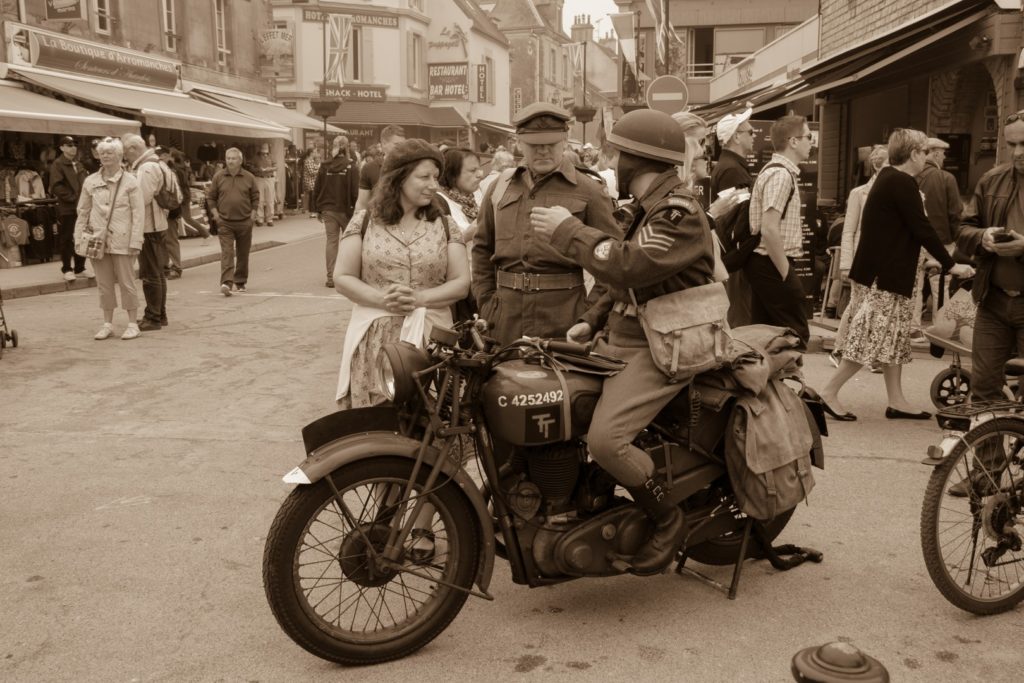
386,204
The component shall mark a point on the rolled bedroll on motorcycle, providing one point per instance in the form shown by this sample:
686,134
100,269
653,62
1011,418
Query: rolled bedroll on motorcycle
401,510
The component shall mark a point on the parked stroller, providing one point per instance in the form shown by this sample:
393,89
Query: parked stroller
7,335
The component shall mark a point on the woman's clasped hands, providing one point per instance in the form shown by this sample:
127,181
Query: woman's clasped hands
400,299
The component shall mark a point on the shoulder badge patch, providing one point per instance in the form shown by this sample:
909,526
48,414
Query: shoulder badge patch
603,250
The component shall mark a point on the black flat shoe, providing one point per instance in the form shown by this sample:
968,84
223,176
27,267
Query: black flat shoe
842,417
894,414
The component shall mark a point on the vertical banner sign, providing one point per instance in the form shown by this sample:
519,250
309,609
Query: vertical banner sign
64,10
481,83
517,100
806,194
277,52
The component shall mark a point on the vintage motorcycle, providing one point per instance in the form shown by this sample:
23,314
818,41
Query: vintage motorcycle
388,532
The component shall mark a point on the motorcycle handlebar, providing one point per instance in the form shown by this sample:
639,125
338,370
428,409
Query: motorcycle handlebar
568,347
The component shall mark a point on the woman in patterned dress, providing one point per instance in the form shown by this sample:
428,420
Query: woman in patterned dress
402,270
894,228
310,169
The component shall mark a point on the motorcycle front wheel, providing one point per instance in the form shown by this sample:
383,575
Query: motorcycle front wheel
327,594
971,543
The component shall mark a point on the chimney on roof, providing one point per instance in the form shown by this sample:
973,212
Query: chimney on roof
582,30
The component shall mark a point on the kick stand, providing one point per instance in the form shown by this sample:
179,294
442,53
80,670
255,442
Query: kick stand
734,585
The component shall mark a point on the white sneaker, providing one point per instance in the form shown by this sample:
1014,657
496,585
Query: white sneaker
104,332
225,289
131,332
69,276
88,272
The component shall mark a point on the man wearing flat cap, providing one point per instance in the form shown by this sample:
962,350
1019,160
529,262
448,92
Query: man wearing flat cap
943,205
66,177
523,286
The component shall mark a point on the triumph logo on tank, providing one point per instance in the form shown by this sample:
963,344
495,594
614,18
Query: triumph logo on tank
539,424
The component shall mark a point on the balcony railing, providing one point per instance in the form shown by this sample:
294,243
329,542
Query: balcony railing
700,70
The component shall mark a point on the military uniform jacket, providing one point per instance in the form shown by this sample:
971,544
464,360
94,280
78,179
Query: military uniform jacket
505,241
668,248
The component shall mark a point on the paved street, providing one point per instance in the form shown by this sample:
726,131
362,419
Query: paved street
141,478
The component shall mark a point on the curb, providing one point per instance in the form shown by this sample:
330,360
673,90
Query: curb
86,283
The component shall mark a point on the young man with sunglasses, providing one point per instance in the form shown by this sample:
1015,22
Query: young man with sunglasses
777,297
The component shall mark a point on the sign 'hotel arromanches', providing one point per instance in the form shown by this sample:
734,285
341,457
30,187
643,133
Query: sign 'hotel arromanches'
378,19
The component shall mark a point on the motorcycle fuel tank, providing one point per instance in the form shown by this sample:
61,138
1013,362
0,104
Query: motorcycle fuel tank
526,404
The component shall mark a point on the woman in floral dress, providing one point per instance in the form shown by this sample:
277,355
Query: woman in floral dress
402,267
310,169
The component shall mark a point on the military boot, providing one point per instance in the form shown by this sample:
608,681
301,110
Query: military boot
669,527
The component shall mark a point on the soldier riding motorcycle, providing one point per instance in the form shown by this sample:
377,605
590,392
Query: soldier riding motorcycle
353,571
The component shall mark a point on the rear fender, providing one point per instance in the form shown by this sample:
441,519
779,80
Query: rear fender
374,444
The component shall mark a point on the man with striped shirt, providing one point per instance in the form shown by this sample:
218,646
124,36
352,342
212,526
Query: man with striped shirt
777,295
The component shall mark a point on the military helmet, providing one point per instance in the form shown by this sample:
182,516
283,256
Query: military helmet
649,134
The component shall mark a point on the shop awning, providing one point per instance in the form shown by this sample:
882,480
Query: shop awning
160,109
29,112
270,112
861,61
400,113
502,128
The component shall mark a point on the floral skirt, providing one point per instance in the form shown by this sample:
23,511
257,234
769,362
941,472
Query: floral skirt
879,326
364,388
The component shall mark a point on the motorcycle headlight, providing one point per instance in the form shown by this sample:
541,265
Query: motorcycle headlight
396,367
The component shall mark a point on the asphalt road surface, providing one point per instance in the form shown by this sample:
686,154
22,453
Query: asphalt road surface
140,479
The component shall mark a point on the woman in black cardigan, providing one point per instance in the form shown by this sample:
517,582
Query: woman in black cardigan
883,274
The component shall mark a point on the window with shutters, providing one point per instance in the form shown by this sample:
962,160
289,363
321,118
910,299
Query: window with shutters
354,60
103,16
170,25
220,26
415,62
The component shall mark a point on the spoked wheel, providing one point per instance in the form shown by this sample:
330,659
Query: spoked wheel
972,542
724,549
951,387
331,594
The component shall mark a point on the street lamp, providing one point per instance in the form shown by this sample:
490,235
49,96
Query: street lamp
325,108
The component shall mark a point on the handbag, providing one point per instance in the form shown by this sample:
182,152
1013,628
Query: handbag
92,245
686,330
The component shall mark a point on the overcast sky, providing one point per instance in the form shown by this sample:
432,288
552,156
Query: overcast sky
597,9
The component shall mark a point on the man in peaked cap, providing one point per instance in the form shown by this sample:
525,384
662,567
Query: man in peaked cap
66,177
524,286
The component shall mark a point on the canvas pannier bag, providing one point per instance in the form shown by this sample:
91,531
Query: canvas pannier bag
768,451
686,330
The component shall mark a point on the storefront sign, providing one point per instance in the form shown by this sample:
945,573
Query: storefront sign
481,83
452,37
517,101
29,47
448,81
375,19
358,93
277,52
64,10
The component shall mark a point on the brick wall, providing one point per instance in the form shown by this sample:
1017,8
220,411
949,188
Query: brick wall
848,22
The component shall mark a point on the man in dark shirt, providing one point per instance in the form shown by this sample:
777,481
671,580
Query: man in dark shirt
66,176
233,198
370,173
994,236
943,206
736,136
334,196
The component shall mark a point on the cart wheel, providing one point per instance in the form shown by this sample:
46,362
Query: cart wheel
14,338
951,387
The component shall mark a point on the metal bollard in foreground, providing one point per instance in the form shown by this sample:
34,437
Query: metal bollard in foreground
837,663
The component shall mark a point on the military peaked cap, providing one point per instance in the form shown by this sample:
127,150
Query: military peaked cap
542,123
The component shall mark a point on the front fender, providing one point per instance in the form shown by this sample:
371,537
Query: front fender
371,444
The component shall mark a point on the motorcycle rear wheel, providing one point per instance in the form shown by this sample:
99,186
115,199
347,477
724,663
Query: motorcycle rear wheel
724,549
319,583
958,534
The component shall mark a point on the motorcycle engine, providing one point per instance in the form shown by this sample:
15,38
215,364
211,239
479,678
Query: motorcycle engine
553,471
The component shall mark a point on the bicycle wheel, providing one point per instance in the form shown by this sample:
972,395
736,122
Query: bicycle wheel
329,596
971,545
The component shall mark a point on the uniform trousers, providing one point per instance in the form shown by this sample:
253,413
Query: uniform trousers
235,242
116,269
629,402
152,259
774,300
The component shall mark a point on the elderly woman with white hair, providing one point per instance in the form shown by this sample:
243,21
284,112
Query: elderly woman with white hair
111,209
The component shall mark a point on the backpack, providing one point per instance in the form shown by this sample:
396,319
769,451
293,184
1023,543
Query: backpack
768,448
733,231
181,180
168,197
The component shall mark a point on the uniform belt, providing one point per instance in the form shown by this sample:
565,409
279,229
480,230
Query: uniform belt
624,309
538,282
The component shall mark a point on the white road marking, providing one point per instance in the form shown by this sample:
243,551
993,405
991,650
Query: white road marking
126,502
297,295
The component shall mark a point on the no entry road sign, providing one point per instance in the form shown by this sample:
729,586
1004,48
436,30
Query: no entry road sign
667,94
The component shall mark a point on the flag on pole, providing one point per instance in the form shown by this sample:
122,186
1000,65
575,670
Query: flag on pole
576,54
664,34
337,47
